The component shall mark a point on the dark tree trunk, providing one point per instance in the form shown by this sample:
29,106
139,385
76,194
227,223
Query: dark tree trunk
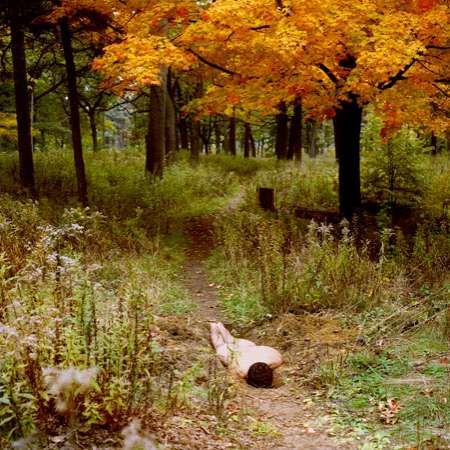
231,147
311,129
22,103
434,144
183,126
252,145
205,134
347,123
196,143
247,140
170,126
281,138
217,136
295,132
156,133
93,126
66,39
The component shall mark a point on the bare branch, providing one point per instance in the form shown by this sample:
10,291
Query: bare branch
212,64
397,77
328,72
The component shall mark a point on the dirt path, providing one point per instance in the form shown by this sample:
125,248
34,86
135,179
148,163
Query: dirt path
200,233
289,411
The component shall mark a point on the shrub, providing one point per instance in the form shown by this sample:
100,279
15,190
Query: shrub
392,171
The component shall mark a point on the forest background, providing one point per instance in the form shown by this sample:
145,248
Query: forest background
133,133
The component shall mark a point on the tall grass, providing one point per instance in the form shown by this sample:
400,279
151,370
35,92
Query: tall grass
119,187
77,331
82,291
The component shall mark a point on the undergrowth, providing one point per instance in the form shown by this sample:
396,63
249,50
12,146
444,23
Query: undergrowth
84,292
88,296
392,284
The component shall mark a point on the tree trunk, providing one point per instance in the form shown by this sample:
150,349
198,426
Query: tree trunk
205,134
93,126
183,126
231,147
252,145
434,144
74,111
22,103
312,138
196,143
170,126
295,132
347,123
156,132
217,135
247,140
281,138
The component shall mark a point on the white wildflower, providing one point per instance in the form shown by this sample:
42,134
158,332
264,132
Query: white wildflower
94,267
68,261
34,275
76,227
326,231
53,258
9,331
30,340
133,439
65,383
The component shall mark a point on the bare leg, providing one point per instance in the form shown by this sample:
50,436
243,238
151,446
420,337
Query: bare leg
226,335
216,336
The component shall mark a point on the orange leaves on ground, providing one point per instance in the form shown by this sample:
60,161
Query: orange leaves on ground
389,411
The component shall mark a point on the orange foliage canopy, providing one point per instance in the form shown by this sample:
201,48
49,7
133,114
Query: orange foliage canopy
255,53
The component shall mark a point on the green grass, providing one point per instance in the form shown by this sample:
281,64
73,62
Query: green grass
359,384
88,287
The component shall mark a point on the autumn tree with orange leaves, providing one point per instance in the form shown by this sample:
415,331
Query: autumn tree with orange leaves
337,55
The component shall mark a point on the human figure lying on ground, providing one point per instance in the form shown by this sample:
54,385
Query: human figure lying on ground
254,363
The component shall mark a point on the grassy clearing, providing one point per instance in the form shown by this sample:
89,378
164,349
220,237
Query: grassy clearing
97,292
390,397
91,301
396,294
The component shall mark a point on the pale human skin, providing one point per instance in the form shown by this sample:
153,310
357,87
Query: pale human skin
240,354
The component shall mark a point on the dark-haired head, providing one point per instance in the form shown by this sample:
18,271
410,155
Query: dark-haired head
260,375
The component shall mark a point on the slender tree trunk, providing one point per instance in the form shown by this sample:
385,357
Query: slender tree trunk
347,124
156,132
247,140
312,138
295,132
170,128
66,39
196,143
183,126
434,144
93,126
217,135
281,138
252,145
205,134
22,103
231,147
